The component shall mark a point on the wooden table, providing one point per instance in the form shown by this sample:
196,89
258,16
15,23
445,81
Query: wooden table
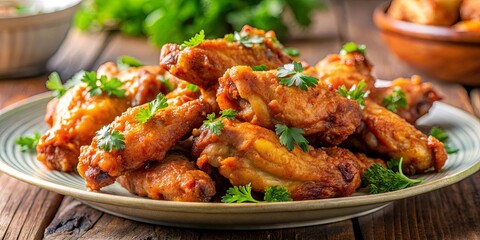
453,212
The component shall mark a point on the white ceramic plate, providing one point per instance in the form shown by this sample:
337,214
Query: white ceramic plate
27,117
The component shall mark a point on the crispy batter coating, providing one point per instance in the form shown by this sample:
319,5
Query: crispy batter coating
430,12
384,132
259,98
345,69
245,153
76,116
174,179
205,63
366,162
420,97
181,94
143,142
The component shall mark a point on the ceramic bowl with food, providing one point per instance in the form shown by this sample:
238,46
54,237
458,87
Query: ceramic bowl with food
31,31
440,51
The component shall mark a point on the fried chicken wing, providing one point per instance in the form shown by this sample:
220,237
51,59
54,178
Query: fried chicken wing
206,62
470,10
430,12
181,94
420,97
143,142
245,153
345,69
384,132
77,115
259,98
174,179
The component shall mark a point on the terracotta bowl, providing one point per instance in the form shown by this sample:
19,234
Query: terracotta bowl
440,52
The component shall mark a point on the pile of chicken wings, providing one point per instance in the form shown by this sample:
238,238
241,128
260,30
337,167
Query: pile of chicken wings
174,156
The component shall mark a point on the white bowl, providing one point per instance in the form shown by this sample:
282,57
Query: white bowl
28,41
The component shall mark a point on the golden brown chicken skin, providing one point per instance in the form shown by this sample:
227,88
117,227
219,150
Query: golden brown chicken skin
384,132
345,69
174,179
143,142
470,10
430,12
245,153
181,94
76,116
206,62
259,98
420,97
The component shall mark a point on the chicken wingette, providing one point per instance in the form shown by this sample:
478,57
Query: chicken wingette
142,142
176,178
259,98
77,115
205,63
245,153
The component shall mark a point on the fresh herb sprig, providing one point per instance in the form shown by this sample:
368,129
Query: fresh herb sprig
192,87
355,93
443,137
353,47
28,143
380,180
291,74
54,83
194,41
215,125
125,62
290,136
152,107
166,82
240,194
244,39
101,85
396,100
262,67
109,140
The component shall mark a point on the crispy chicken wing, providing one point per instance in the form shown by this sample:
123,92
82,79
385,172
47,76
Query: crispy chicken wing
430,12
384,132
259,98
206,62
174,179
420,97
245,153
77,115
345,69
143,142
181,94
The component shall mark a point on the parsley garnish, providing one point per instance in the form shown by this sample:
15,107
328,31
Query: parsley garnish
100,85
380,180
124,62
215,125
192,87
262,67
244,39
355,93
168,85
28,143
442,137
54,83
108,140
242,194
292,52
288,137
194,41
395,100
148,112
291,74
353,47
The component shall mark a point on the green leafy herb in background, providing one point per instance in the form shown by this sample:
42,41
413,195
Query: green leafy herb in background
239,194
177,20
166,83
353,47
259,68
54,83
28,143
442,137
244,39
192,87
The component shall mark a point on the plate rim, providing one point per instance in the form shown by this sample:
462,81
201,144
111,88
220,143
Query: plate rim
220,208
